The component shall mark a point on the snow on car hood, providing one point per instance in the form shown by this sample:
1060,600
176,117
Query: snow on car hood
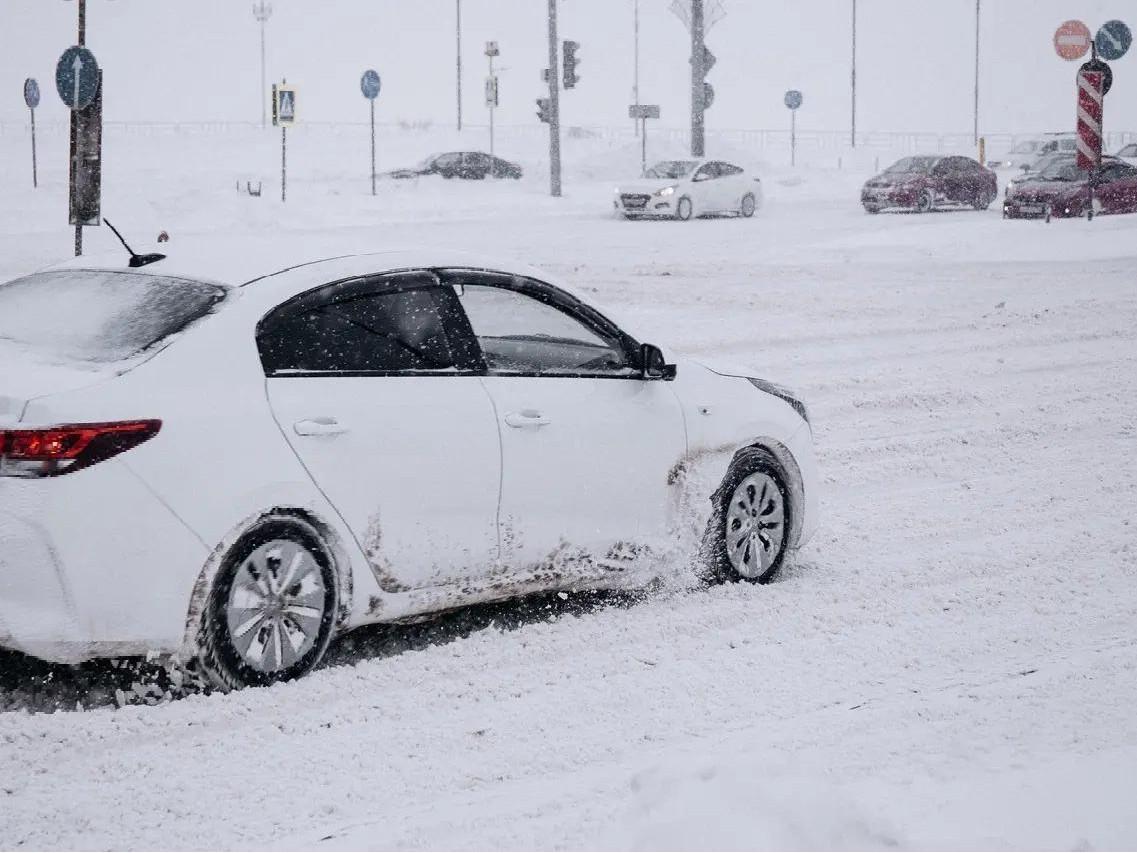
647,185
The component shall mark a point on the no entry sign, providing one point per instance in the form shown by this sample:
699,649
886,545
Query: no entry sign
1072,41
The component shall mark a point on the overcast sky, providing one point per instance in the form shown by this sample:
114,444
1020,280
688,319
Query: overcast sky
198,60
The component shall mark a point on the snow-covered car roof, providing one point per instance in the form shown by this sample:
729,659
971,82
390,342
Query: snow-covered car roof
210,260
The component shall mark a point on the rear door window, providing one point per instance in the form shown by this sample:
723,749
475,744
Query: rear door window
101,316
382,325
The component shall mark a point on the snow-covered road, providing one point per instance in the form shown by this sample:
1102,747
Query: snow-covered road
952,662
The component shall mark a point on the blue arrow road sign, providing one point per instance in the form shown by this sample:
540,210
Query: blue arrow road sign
31,93
370,84
794,99
77,77
1114,40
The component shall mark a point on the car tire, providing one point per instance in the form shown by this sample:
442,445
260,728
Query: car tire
925,202
684,209
872,208
737,546
748,205
277,588
983,200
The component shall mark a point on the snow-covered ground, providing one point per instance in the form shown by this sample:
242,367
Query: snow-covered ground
952,662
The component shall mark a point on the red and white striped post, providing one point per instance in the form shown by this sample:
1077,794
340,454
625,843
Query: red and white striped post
1091,101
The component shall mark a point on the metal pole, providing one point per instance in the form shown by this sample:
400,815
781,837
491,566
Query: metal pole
74,118
491,106
643,150
854,79
283,162
458,58
35,176
698,87
977,19
554,106
264,105
636,73
372,102
793,137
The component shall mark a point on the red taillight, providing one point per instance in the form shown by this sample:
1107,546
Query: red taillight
50,451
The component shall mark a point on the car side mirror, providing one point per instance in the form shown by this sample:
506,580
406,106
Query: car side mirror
654,365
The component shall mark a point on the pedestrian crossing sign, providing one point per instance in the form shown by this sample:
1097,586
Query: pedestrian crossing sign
283,106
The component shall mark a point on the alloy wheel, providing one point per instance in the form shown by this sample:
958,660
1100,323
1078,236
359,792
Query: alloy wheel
755,525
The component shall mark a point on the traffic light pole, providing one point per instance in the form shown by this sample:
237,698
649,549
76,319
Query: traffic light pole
555,106
698,81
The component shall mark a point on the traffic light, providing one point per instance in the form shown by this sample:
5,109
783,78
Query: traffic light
570,61
544,110
709,61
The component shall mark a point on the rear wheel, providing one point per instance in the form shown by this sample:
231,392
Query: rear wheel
271,612
983,200
748,531
684,210
872,208
748,206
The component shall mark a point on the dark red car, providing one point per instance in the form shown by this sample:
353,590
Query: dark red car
1063,190
926,183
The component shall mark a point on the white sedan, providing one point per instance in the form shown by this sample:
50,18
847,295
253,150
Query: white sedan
682,189
233,460
1129,153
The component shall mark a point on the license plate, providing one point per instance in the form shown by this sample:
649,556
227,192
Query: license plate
1032,208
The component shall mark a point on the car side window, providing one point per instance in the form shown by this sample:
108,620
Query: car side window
707,172
388,324
519,333
729,169
943,168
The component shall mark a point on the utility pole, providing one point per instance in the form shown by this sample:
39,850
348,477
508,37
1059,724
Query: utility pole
458,57
262,11
978,3
854,133
554,106
698,82
636,51
82,42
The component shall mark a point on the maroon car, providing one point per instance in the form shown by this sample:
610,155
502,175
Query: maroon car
1063,190
925,183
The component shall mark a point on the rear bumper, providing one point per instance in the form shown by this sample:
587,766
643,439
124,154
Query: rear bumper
92,565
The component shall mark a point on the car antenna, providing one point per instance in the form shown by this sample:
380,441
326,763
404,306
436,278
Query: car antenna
136,260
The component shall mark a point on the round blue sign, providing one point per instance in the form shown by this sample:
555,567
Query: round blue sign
1114,40
370,84
77,77
31,93
794,99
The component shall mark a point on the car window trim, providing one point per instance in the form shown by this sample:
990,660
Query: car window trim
556,298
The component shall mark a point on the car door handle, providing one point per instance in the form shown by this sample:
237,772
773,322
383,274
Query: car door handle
319,426
526,418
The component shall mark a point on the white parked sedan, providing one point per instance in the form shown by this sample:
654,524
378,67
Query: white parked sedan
683,189
1129,153
233,462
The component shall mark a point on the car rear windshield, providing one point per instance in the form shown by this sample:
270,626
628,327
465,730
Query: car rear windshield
99,315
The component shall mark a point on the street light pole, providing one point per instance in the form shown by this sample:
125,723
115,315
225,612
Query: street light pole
698,82
554,106
854,78
262,11
977,31
458,57
636,72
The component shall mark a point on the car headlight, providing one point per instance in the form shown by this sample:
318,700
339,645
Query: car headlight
782,393
666,191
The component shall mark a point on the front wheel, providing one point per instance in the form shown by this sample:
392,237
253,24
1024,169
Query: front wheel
748,531
684,210
272,609
748,206
983,201
925,202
